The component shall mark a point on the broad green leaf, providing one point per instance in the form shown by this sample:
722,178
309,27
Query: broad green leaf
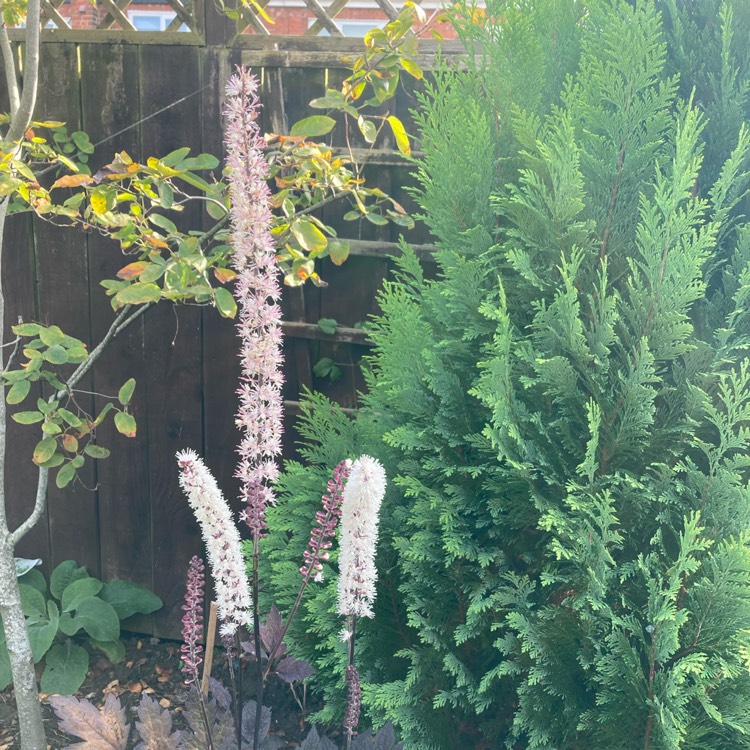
18,392
63,575
314,126
138,294
35,578
368,129
69,417
56,355
202,161
28,417
78,591
98,619
82,141
44,450
54,462
332,100
175,157
163,223
27,329
399,133
96,451
308,235
376,218
338,250
328,326
32,601
52,336
65,476
225,303
128,598
126,392
42,633
66,669
322,368
125,424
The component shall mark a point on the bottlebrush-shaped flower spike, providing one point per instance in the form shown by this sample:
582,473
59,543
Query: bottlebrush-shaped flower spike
258,291
360,507
222,540
192,620
326,521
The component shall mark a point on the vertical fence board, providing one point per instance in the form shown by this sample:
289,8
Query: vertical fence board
110,103
62,274
172,341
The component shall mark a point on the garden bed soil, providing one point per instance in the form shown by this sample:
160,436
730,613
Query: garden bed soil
152,666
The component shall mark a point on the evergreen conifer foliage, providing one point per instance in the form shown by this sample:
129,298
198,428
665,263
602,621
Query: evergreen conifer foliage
565,410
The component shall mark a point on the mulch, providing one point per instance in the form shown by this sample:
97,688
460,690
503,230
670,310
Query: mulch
152,666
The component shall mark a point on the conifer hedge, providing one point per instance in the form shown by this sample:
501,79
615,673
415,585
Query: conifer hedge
563,411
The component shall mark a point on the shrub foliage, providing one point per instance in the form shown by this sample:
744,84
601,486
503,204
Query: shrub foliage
564,407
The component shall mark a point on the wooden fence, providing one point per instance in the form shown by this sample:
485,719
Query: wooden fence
147,95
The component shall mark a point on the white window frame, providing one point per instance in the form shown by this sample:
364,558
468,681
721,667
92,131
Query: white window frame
362,24
165,16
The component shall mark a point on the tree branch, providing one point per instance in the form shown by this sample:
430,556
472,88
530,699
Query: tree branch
9,64
25,110
120,323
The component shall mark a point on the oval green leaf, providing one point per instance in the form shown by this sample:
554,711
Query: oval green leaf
44,450
96,451
225,303
78,591
65,476
399,133
66,669
125,424
309,236
126,392
313,126
18,392
28,417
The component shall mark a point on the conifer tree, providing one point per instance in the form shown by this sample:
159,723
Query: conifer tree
565,408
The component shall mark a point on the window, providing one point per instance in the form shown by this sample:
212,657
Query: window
152,20
353,28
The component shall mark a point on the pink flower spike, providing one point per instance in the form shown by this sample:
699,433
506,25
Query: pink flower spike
259,416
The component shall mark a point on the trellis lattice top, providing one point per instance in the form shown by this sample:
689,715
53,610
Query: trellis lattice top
335,18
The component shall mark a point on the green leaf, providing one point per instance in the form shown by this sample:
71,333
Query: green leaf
308,235
376,218
368,129
51,428
27,329
24,565
44,450
28,417
173,158
66,669
52,336
78,591
125,424
313,126
32,601
202,161
138,294
327,326
98,619
225,303
56,355
53,462
399,133
163,223
412,68
42,633
35,578
96,451
114,650
63,575
126,392
338,250
65,476
332,100
82,141
18,392
128,598
323,367
69,417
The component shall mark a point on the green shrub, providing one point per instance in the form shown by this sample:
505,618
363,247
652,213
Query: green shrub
564,410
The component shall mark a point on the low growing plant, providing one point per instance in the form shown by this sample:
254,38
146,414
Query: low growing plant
76,606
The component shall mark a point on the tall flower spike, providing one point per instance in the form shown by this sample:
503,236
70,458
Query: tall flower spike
325,524
192,620
222,540
360,507
259,416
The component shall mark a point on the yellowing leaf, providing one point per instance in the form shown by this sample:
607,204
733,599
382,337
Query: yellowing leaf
225,303
224,275
308,235
72,180
44,450
131,270
125,424
338,250
399,133
99,202
412,68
